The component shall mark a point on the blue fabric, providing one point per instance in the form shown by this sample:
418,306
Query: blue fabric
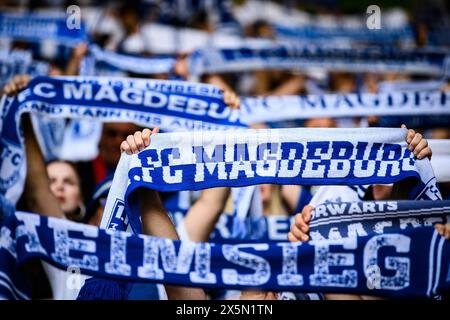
19,62
6,209
38,27
104,289
407,103
330,221
144,291
400,262
422,121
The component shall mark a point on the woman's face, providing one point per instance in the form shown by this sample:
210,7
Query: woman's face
65,185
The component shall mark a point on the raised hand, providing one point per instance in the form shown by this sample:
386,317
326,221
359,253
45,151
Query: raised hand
138,141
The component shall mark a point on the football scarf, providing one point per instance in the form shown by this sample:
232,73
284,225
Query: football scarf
404,103
409,262
292,57
39,27
195,161
170,105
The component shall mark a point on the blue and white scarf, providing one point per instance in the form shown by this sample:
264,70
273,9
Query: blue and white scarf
248,213
337,220
80,140
410,103
140,65
193,161
170,105
39,27
314,32
19,62
407,85
274,266
440,158
410,262
373,59
167,104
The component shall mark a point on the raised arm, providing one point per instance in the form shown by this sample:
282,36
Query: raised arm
207,210
37,193
78,53
229,95
155,221
291,86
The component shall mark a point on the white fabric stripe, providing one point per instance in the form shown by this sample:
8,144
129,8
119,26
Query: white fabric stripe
438,267
430,262
418,212
20,293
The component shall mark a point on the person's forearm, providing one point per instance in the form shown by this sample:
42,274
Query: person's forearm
262,84
155,222
200,211
291,195
291,86
73,67
218,81
206,209
38,195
